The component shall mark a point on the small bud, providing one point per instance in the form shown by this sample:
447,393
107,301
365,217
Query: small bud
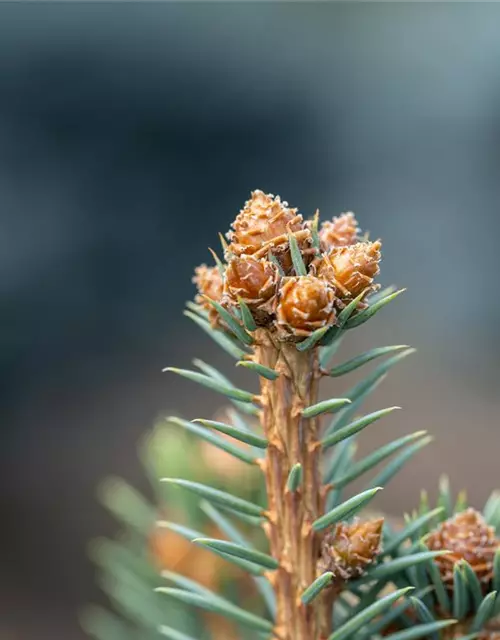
209,283
351,269
305,304
339,232
252,280
468,537
264,223
350,548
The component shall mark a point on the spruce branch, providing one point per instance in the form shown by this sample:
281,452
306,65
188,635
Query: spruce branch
289,290
284,296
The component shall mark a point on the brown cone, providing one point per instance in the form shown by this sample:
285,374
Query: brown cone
351,269
350,548
468,537
209,283
264,224
305,304
252,280
339,232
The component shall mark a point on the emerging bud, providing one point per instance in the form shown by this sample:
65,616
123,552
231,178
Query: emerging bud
339,232
209,283
351,269
252,280
305,304
264,223
468,537
348,550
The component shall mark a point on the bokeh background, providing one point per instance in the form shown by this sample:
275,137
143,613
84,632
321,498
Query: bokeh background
129,135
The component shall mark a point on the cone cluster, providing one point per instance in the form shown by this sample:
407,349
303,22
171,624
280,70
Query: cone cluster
350,548
293,276
468,537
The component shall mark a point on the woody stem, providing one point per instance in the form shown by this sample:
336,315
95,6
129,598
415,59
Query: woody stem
292,439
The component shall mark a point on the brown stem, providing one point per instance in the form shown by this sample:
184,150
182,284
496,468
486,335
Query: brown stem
292,439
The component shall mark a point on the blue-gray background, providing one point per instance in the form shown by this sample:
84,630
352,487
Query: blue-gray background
129,135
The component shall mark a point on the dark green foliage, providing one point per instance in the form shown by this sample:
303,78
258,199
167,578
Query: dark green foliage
246,316
218,605
313,590
215,385
373,308
295,477
354,427
298,262
243,436
209,436
260,369
220,337
345,510
313,339
362,619
224,499
326,406
364,358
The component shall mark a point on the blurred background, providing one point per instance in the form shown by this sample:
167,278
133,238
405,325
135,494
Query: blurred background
130,134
